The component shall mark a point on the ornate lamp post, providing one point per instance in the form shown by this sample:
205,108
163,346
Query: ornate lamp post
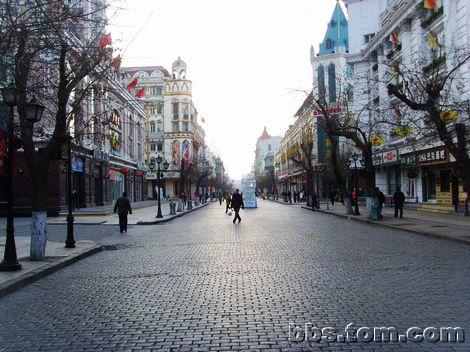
70,241
356,184
33,113
166,165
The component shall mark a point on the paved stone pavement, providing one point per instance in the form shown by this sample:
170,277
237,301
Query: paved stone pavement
202,283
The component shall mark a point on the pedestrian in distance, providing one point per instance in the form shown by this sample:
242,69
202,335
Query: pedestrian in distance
228,200
381,200
301,196
237,203
220,196
123,207
289,196
314,201
399,200
332,196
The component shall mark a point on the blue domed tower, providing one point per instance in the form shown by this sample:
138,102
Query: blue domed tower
336,36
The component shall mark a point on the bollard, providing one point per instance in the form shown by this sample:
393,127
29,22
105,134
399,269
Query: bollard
190,204
180,206
172,208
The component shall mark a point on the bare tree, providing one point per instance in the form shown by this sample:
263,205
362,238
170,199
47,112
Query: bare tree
57,51
302,155
431,97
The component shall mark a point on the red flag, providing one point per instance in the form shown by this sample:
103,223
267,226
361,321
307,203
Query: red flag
117,62
105,40
394,38
396,111
133,84
429,4
140,93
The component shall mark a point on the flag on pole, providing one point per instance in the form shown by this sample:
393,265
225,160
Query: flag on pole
117,62
394,37
429,4
433,43
105,40
133,84
396,111
140,93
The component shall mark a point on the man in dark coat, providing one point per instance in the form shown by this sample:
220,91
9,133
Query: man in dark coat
381,200
237,203
123,207
398,200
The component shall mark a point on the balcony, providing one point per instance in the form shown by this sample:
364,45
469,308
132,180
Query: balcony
155,135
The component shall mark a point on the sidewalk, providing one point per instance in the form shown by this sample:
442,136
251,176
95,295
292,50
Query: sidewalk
57,257
104,210
443,226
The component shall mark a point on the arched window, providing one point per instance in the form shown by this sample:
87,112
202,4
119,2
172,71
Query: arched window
329,44
331,83
321,83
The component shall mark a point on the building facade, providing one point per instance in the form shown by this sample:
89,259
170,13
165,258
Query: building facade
397,33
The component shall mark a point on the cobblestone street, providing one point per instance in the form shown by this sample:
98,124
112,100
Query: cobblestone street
202,283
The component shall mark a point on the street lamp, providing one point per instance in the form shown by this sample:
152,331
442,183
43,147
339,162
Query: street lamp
356,188
70,241
166,165
11,97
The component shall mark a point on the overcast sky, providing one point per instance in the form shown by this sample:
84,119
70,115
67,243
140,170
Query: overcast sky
245,59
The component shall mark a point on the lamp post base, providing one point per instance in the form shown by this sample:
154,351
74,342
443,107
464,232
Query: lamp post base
70,241
10,266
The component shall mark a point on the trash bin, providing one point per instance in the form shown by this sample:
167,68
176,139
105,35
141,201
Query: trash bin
172,208
372,208
180,206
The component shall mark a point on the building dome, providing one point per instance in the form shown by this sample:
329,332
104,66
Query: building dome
179,68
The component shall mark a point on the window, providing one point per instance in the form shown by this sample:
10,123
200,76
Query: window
175,126
159,90
152,126
186,111
329,44
185,127
321,83
160,146
152,147
349,71
331,83
152,109
159,126
368,37
175,110
160,109
269,147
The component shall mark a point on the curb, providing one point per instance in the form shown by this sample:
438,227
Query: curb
416,232
278,202
164,220
16,283
105,213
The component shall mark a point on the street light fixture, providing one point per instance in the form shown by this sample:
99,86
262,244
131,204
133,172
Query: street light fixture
33,111
11,97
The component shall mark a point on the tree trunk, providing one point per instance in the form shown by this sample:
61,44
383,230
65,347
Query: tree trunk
340,182
309,188
39,214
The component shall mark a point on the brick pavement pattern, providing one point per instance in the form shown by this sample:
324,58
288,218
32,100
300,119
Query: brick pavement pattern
202,283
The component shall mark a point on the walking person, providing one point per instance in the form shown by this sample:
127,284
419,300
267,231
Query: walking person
123,207
314,201
399,200
228,201
289,196
332,196
381,200
237,203
220,196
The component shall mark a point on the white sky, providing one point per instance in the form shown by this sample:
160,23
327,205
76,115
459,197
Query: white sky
244,57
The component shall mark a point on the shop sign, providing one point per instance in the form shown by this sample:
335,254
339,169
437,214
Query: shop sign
408,160
388,157
138,173
435,156
100,155
78,165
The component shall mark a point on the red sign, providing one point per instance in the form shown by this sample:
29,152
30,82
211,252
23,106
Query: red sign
304,182
335,110
3,153
124,171
138,173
